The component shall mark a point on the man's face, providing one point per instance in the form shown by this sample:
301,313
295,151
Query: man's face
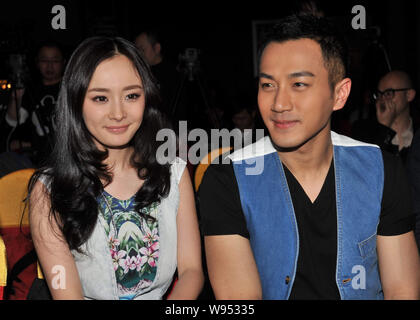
50,64
294,96
243,120
149,51
400,98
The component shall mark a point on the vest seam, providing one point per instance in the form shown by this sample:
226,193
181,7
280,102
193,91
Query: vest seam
293,218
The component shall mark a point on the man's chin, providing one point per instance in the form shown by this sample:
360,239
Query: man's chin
283,146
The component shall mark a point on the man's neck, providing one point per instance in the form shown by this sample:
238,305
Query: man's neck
310,157
50,82
310,163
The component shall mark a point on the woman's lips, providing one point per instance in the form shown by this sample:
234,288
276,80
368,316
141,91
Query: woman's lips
117,129
285,124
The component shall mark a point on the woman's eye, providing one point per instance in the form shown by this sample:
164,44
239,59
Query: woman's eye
133,96
100,99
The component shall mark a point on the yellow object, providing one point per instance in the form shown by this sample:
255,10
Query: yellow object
13,190
39,273
3,264
204,164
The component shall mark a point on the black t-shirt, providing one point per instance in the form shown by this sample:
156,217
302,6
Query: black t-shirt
39,101
221,214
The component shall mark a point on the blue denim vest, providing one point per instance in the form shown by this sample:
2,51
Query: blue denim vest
271,221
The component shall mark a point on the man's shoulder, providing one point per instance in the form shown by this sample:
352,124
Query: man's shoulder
264,146
259,148
345,141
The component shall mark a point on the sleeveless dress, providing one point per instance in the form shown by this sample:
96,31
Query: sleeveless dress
127,256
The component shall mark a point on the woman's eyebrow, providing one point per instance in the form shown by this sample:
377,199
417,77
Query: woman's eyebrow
134,86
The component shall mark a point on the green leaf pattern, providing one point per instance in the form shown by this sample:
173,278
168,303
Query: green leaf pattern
133,243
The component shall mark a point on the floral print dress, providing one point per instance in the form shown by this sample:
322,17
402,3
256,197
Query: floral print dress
133,243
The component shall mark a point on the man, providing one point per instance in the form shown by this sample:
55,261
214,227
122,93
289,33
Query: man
36,105
327,217
395,128
150,44
413,168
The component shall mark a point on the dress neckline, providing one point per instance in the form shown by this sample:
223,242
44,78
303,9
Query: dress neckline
110,195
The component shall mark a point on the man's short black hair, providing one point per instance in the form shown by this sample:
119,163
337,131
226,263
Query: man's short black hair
154,35
50,44
321,30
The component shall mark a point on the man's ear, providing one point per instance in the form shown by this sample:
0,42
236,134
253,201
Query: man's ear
411,94
341,93
157,47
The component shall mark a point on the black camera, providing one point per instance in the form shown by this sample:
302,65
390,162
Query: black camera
19,70
189,62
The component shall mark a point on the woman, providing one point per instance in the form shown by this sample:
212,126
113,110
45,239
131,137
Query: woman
107,220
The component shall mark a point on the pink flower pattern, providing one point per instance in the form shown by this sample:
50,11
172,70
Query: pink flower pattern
134,255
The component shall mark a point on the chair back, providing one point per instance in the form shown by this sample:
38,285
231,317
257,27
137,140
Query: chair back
15,232
204,164
13,191
3,268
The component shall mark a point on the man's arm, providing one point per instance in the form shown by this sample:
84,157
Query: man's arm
232,270
230,262
399,266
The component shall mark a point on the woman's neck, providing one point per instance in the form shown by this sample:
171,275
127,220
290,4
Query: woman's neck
119,160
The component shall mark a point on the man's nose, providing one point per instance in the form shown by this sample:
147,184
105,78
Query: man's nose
281,101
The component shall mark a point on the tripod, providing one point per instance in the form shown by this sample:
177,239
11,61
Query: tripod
189,66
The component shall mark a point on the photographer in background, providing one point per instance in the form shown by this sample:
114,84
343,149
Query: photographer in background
395,126
149,43
35,105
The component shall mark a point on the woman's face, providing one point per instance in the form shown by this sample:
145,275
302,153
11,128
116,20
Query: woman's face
114,103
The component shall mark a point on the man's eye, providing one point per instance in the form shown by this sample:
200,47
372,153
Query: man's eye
266,85
133,96
100,99
300,84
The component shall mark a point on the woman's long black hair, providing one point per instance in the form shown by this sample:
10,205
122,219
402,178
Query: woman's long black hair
75,167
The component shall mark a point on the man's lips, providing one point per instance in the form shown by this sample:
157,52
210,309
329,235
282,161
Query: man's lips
117,129
284,124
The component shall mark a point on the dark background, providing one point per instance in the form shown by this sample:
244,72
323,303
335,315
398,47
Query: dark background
222,31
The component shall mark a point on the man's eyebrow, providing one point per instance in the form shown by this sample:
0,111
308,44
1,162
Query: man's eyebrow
292,75
301,74
267,76
134,86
